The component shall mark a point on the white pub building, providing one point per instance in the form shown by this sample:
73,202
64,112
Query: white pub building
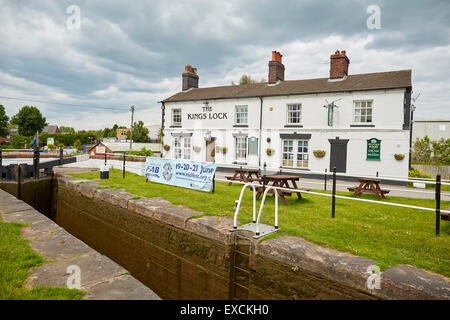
359,123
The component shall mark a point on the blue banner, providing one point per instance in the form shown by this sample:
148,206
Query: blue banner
181,173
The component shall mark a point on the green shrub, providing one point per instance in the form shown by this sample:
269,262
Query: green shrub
436,152
78,145
414,173
18,141
143,152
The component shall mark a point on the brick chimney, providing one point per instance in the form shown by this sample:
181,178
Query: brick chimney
190,77
339,65
276,68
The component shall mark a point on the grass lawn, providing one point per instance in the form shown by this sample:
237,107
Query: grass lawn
387,234
16,260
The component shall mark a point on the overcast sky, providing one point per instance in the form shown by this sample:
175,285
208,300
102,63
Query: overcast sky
133,52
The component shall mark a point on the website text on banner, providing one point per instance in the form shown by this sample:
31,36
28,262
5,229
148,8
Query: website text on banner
181,173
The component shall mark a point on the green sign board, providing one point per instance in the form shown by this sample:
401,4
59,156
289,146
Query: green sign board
373,149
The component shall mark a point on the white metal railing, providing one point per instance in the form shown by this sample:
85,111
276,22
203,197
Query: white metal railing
339,174
437,209
391,189
342,197
238,206
256,220
262,206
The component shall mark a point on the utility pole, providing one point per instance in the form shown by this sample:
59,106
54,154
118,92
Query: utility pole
131,128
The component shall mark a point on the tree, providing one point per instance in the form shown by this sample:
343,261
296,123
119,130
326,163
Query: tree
431,151
20,142
247,79
422,150
3,122
29,119
140,133
66,129
78,145
110,133
441,151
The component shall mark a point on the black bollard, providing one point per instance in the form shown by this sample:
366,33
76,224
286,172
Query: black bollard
333,201
61,156
438,204
124,165
325,178
264,178
1,164
36,156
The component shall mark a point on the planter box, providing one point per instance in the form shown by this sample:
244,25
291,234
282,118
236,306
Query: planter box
419,185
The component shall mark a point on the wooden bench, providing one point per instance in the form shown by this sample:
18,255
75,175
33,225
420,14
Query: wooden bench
282,192
368,186
352,189
445,216
244,175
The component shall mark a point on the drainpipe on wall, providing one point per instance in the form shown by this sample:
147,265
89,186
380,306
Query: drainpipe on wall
410,137
163,112
260,131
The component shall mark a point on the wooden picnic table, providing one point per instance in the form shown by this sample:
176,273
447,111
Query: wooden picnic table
283,182
369,186
244,175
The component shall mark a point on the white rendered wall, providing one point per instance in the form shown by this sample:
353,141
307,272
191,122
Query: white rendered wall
387,113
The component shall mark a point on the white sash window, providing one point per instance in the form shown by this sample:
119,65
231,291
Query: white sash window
295,153
182,148
241,148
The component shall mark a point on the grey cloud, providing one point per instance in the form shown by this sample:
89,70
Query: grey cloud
137,46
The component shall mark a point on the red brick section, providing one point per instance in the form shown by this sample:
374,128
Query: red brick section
339,65
276,68
189,77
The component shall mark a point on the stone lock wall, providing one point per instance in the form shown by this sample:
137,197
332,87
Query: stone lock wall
37,193
150,238
180,256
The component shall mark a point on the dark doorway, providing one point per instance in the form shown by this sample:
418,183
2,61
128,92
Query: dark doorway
338,154
211,150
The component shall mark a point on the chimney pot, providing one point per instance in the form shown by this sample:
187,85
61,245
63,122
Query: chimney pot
274,55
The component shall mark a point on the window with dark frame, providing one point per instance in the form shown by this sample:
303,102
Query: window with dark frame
241,115
241,148
294,113
176,117
182,148
295,153
362,111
